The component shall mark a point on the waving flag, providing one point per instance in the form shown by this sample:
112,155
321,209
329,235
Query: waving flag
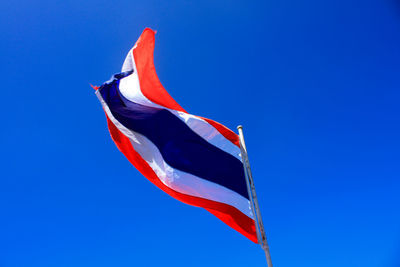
193,159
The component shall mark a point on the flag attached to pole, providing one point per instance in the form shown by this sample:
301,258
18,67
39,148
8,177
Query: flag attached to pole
193,159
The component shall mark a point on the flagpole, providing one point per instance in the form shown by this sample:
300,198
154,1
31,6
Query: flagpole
262,238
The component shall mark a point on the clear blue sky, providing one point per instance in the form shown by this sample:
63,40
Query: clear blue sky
315,84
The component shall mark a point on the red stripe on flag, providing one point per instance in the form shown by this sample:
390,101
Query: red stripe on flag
226,132
150,85
228,214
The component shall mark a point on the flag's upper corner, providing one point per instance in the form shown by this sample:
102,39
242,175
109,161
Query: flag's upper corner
150,30
147,37
145,42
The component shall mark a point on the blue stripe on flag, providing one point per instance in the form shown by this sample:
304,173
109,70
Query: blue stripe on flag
180,147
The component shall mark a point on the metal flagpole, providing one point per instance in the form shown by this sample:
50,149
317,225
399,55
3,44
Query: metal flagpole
262,238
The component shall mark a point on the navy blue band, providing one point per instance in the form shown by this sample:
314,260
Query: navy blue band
180,146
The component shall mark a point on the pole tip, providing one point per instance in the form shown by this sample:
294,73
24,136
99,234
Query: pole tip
239,127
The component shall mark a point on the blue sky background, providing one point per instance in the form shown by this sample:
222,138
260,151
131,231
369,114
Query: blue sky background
315,84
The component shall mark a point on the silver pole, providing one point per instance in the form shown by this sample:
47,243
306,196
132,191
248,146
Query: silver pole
262,238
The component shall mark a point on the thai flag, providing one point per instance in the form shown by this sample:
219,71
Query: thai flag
193,159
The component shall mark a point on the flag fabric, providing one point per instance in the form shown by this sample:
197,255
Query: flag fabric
193,159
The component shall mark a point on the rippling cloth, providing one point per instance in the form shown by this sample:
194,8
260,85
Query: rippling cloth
193,159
